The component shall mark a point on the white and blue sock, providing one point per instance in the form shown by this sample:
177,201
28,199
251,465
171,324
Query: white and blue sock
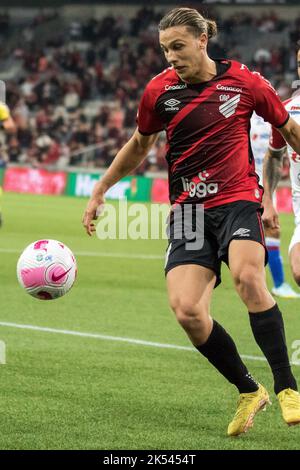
275,260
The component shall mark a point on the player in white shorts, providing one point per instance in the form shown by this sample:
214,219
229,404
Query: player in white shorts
277,149
260,136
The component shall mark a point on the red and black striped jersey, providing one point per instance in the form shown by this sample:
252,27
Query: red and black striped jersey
207,126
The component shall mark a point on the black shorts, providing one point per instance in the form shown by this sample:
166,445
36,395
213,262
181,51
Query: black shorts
239,220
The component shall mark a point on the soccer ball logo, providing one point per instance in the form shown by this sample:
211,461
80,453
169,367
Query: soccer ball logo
47,269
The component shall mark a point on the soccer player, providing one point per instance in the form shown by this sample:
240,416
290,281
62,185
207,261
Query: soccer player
9,126
272,170
205,107
259,135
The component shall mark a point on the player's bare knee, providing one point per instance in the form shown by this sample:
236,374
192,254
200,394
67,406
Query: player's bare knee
185,310
247,275
187,313
242,277
248,282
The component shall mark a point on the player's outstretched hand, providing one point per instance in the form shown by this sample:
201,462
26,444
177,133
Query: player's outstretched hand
91,213
270,216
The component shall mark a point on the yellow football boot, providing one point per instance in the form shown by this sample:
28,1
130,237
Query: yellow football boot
290,406
248,405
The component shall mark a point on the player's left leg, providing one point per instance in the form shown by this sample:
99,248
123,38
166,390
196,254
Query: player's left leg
190,288
246,262
246,259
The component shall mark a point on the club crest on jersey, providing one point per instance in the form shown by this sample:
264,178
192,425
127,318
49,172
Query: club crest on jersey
257,194
224,97
228,108
172,104
295,157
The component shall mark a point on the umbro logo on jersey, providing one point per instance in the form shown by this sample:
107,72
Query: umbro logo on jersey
229,108
171,105
242,232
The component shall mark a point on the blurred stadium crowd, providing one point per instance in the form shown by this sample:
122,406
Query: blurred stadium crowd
74,89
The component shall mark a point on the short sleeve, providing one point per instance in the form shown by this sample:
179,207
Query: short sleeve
148,120
267,102
277,142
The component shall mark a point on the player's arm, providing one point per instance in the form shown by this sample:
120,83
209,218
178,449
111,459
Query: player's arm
127,159
284,129
268,105
271,176
291,134
272,171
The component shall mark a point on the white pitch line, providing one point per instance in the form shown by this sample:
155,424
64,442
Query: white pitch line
118,338
95,335
118,255
99,254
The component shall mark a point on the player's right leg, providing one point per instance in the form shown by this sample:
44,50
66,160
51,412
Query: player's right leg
190,288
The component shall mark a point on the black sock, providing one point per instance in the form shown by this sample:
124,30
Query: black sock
222,353
268,331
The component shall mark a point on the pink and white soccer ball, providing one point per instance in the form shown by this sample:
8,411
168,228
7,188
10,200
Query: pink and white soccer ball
47,269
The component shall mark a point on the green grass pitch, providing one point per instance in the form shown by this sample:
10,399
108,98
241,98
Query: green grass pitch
69,392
